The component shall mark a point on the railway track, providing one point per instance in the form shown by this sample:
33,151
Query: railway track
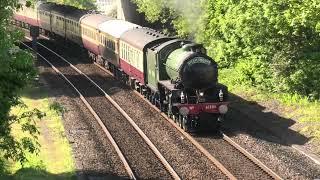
241,163
137,168
65,70
236,160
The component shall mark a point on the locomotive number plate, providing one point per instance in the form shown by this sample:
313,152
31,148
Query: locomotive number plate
209,107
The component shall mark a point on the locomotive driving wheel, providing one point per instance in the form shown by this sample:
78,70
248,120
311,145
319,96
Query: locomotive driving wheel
186,123
180,121
174,118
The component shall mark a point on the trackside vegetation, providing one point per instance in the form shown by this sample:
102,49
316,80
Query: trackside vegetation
53,159
290,106
272,45
265,49
20,139
16,71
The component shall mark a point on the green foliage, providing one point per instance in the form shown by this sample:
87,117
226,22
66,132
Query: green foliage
182,15
82,4
273,44
16,71
57,108
153,9
279,35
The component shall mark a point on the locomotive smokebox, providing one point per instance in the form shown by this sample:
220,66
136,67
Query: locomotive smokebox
192,68
198,73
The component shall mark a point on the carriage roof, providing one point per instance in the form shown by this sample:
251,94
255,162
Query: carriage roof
116,27
141,37
94,20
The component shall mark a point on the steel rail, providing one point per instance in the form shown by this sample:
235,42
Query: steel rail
225,137
251,157
191,139
201,148
141,133
104,128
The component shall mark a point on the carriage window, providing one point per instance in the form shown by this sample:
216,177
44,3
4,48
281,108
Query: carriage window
125,51
131,53
121,52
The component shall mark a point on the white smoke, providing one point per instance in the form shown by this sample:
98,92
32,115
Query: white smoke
190,10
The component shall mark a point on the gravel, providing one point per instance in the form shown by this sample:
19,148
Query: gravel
184,157
269,149
239,165
141,159
171,144
276,154
93,154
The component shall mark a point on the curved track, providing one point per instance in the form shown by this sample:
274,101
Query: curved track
235,170
239,162
236,159
137,167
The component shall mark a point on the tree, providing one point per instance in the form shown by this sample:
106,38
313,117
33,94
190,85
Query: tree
178,17
273,45
16,71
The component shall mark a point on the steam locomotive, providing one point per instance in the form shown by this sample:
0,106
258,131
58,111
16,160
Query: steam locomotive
174,74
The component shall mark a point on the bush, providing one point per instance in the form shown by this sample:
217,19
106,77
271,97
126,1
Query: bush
16,72
272,45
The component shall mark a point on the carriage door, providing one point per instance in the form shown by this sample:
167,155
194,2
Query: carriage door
152,69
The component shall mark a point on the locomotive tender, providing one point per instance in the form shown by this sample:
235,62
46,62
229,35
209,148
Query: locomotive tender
174,74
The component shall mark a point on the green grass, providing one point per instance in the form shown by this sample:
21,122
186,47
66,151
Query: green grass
293,106
54,161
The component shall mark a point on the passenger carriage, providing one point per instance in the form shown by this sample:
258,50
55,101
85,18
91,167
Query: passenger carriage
90,33
110,32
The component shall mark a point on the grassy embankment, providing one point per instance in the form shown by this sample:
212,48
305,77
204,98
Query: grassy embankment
292,106
54,160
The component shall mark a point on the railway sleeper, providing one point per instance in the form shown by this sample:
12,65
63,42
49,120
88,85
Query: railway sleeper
188,123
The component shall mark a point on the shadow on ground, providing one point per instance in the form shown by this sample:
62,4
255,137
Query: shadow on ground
248,117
